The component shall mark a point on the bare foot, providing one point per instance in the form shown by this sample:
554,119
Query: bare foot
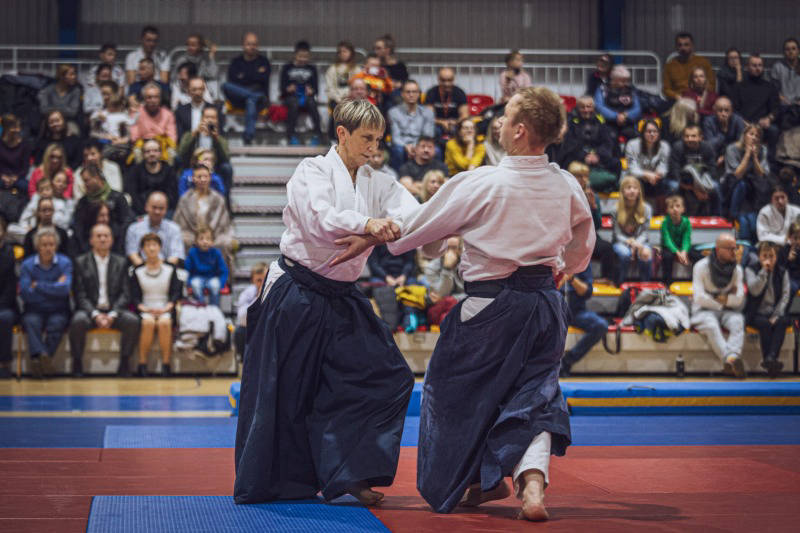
474,496
533,498
365,494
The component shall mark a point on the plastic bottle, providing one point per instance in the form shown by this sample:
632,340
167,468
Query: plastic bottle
679,366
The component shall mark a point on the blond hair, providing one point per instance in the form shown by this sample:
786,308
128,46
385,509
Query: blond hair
47,170
353,114
626,215
682,114
542,112
576,167
259,268
423,195
748,127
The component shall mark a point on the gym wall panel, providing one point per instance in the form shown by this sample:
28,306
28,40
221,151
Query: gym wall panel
28,22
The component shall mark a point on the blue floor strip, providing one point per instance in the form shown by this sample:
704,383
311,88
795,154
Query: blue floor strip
114,403
639,389
200,514
199,436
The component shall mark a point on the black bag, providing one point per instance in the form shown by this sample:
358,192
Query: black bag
389,307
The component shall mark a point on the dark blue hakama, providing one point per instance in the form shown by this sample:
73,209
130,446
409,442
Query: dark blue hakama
324,392
492,386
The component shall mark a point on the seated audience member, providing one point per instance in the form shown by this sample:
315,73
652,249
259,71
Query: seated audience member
678,70
746,176
64,95
692,164
618,103
89,217
52,163
384,48
8,300
448,103
299,86
395,271
93,155
206,267
788,177
246,298
202,206
648,161
201,53
774,219
589,141
731,73
101,300
676,237
155,122
494,152
432,181
337,78
151,175
248,83
45,281
93,95
205,157
55,131
358,89
768,295
757,100
785,74
46,188
413,170
99,191
409,121
603,250
208,135
179,87
717,302
463,151
107,56
445,284
189,115
147,75
789,256
15,152
630,230
379,161
699,92
600,75
722,128
111,126
155,289
378,84
13,197
682,113
148,49
513,77
579,289
169,233
44,219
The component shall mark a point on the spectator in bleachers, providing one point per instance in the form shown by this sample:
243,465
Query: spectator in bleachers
53,161
13,197
206,267
202,206
413,170
379,161
648,161
699,92
257,275
87,218
147,75
93,95
337,78
201,53
358,88
513,77
152,174
692,165
93,155
378,83
45,210
111,125
676,237
395,271
579,288
45,281
746,176
679,69
722,128
205,157
682,113
179,86
448,103
409,121
589,141
45,188
432,181
299,86
384,48
731,72
15,152
169,232
757,100
631,222
774,219
786,75
247,84
789,256
768,287
101,296
107,56
189,115
717,302
155,289
444,282
788,177
494,151
154,122
208,135
618,103
55,131
8,300
99,191
463,151
600,75
64,95
149,50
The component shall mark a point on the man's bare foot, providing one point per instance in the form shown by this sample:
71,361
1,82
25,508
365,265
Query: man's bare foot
533,497
365,494
474,496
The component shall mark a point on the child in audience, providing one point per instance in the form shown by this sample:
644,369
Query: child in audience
112,122
44,189
206,267
246,298
630,231
676,237
789,257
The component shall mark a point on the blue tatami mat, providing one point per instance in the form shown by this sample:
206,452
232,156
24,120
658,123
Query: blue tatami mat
199,436
622,389
114,403
218,514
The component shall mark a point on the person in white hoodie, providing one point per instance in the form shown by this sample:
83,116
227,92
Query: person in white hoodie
775,218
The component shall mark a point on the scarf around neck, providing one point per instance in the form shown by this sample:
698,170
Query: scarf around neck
721,274
101,195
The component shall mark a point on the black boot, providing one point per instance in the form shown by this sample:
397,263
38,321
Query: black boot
124,370
141,370
77,368
166,371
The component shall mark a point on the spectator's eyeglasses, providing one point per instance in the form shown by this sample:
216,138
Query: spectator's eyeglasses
446,79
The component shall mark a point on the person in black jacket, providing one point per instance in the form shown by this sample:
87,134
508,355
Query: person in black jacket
248,83
101,300
757,100
299,88
55,131
692,151
86,212
151,175
44,218
9,312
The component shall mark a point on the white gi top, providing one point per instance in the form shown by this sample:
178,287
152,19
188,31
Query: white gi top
324,205
522,212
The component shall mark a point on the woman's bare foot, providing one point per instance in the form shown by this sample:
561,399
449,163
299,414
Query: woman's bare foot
474,496
365,494
533,497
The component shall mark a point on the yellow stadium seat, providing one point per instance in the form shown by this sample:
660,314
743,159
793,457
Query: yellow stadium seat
681,288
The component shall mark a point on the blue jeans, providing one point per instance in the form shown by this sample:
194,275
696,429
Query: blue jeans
7,319
747,221
198,283
594,327
239,95
624,254
397,155
52,325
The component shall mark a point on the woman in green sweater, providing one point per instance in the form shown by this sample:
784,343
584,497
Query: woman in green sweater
676,237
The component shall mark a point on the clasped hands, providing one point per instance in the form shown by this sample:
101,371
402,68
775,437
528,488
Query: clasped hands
377,231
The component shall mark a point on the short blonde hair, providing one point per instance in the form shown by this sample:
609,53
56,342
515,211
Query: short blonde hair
542,112
576,167
353,114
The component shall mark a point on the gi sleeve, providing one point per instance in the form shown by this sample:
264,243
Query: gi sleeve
578,252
